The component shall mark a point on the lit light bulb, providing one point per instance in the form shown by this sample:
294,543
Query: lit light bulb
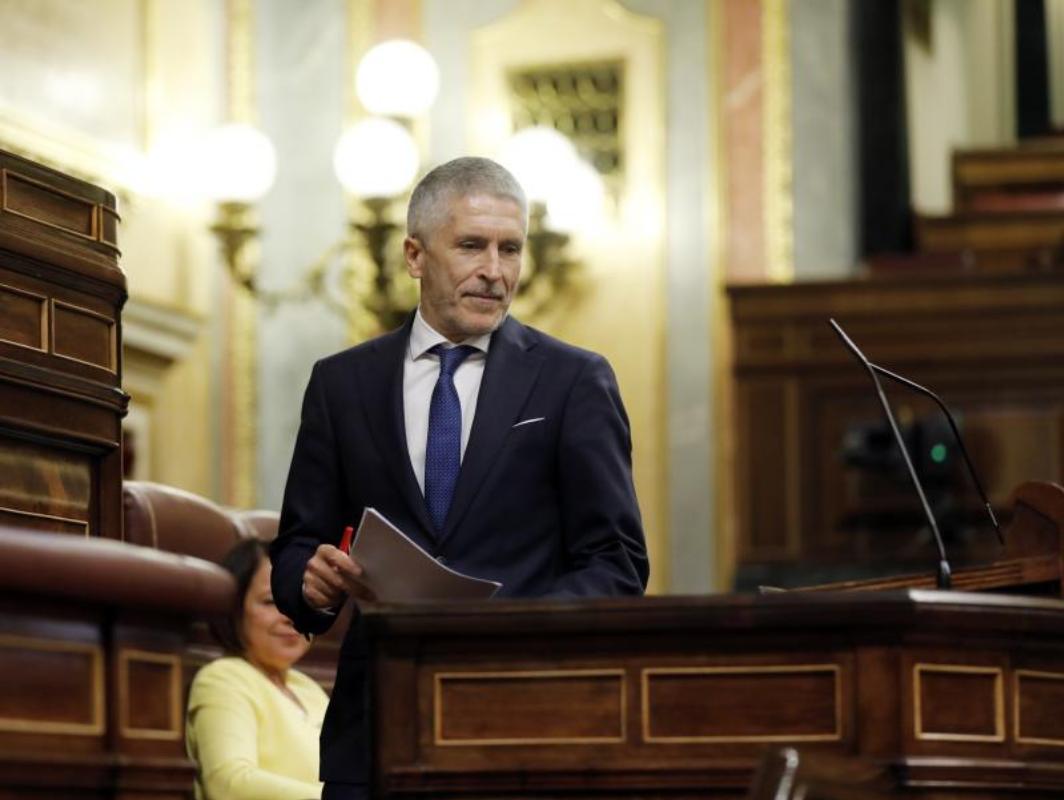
239,163
397,78
578,202
549,169
376,158
539,158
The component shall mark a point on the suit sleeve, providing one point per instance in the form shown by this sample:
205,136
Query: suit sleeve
601,525
312,511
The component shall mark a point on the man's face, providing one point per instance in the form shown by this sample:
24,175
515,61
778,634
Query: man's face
469,265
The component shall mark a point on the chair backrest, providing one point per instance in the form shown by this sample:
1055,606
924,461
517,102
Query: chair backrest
180,522
177,521
258,523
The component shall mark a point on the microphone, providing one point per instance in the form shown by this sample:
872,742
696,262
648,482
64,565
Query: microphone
944,574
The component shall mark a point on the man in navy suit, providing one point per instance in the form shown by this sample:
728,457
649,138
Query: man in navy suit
501,451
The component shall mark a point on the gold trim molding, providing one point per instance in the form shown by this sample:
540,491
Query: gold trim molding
93,209
833,669
112,335
78,523
240,416
127,731
437,706
777,141
96,688
42,322
956,669
1036,675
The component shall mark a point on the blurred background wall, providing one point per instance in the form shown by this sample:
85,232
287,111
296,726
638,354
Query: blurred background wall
704,143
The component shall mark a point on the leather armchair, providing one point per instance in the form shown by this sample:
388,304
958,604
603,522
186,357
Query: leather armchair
175,521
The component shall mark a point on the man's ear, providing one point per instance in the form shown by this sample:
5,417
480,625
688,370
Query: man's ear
414,254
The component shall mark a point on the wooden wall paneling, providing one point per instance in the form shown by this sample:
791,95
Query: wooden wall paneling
92,684
47,204
148,706
52,699
719,680
657,726
712,705
1037,697
150,695
574,710
47,208
989,231
92,700
45,488
542,707
1016,171
60,348
394,672
147,659
957,704
109,473
877,693
765,419
989,345
86,422
79,334
23,318
832,407
83,335
1034,691
51,686
732,696
52,483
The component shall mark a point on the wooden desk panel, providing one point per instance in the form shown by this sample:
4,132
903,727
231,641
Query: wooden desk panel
679,697
990,346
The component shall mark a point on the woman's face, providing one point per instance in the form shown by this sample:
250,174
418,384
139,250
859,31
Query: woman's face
270,641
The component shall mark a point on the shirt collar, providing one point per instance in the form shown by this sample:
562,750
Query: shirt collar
423,337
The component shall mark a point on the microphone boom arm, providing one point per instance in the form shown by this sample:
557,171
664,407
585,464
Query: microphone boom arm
944,575
956,435
944,579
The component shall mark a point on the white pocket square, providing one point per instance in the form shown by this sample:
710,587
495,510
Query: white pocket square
528,421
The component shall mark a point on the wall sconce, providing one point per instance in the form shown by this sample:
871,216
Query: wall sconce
239,165
566,194
376,161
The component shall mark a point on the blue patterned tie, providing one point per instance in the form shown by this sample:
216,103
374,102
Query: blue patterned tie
443,452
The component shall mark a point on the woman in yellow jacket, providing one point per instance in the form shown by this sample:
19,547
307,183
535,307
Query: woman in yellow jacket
253,721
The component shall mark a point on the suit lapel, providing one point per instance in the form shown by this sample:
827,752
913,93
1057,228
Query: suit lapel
384,411
509,375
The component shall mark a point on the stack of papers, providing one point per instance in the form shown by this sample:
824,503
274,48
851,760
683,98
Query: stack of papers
396,570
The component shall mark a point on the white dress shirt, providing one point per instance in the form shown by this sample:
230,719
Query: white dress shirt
421,369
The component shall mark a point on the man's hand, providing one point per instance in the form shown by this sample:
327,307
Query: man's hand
331,575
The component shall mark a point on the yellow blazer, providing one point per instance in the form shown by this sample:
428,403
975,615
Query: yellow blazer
248,739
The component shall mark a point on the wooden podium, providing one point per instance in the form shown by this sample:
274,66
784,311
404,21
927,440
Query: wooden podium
960,694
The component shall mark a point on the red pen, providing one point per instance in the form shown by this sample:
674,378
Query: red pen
345,542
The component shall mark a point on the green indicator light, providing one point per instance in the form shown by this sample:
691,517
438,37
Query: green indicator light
938,453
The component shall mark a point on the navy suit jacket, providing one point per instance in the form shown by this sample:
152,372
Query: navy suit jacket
547,507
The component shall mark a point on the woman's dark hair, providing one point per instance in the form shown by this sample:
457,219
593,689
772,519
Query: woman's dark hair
242,562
